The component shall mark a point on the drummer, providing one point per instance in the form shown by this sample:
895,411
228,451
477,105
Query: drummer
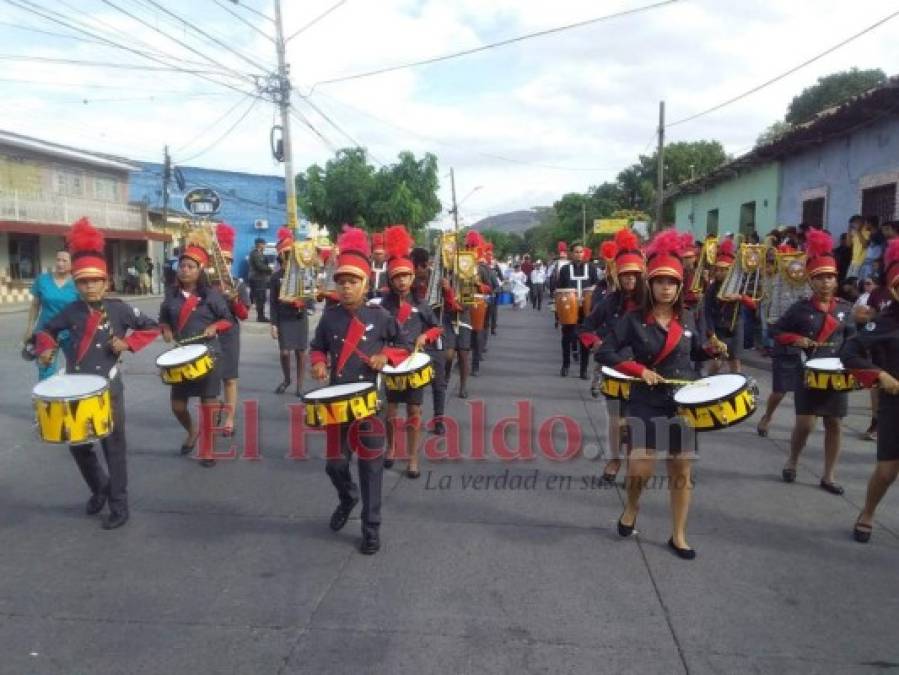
194,311
818,327
625,271
873,357
290,324
355,337
723,316
437,349
420,324
580,275
100,329
458,336
239,305
659,341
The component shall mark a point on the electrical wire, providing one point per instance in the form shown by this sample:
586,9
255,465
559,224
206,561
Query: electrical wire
792,70
493,45
315,20
244,21
225,135
339,129
302,119
214,124
246,7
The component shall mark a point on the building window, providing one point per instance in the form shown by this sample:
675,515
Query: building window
711,223
106,189
70,183
813,212
23,256
747,218
879,203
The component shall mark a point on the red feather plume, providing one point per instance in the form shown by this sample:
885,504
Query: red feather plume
224,234
667,242
726,247
473,239
354,239
284,233
785,248
817,243
397,241
892,254
84,237
625,240
608,250
687,242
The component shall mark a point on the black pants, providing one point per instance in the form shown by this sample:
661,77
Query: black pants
438,384
569,344
259,288
114,448
478,342
537,296
492,310
371,473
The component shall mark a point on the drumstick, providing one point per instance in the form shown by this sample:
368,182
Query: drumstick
674,382
195,338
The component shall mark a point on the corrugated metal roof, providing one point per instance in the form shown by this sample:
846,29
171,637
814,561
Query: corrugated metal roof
42,147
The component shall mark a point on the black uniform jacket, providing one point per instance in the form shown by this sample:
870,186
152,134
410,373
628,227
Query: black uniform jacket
414,317
831,325
188,316
874,348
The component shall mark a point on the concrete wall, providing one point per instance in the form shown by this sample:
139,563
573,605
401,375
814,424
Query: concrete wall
759,185
245,197
839,170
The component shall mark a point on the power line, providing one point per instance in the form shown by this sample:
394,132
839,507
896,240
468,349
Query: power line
47,32
788,72
339,129
246,7
493,45
315,20
225,135
244,21
302,119
217,121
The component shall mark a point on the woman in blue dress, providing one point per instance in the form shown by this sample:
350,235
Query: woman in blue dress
50,293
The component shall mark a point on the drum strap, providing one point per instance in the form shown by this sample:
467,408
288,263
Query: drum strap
90,329
190,304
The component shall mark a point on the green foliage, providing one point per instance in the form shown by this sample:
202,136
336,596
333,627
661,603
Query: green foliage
831,90
505,244
349,190
774,131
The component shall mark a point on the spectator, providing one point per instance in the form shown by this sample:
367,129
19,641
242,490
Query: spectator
538,284
143,280
50,293
868,286
843,255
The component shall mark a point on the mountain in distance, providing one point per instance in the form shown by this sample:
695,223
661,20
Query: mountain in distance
513,221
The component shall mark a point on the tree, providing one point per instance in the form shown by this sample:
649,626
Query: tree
831,90
349,190
774,131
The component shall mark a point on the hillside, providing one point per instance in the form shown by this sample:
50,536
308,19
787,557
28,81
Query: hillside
514,221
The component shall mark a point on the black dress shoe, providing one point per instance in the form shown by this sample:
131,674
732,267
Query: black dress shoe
413,473
207,463
788,475
584,376
388,463
682,553
281,388
96,503
342,514
115,519
626,530
475,372
832,488
439,428
563,372
186,449
371,543
463,393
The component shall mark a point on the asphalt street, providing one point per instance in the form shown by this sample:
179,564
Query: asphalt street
488,565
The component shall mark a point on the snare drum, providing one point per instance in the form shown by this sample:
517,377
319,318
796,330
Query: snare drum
566,306
340,403
72,409
615,384
828,375
185,364
413,373
479,313
717,401
587,296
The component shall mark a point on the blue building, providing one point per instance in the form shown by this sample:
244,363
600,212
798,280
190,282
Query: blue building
253,204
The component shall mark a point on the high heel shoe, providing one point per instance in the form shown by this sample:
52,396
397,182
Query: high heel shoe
282,387
762,428
682,553
626,530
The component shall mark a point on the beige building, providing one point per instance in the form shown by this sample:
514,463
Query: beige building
44,188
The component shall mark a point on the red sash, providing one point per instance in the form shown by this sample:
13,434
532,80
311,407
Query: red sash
351,340
190,304
830,324
673,336
404,312
90,329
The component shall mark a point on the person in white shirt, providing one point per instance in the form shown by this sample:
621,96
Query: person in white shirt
538,282
518,280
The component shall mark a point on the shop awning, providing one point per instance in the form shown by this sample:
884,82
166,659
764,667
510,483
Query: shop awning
19,227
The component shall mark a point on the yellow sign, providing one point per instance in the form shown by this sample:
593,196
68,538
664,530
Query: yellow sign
609,225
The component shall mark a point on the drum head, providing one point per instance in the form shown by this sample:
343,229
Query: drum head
69,386
337,391
708,389
614,374
834,364
414,362
181,355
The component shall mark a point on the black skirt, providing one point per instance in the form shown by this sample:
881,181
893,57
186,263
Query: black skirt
659,428
461,342
409,396
786,374
887,428
208,387
732,338
293,335
229,343
821,403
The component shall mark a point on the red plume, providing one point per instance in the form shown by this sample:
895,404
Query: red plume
626,240
473,239
84,237
666,242
224,234
726,248
892,254
354,239
397,241
284,233
608,250
817,243
785,248
687,242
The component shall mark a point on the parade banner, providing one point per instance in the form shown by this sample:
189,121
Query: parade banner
609,225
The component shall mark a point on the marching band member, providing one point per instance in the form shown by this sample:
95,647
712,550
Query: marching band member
436,350
579,275
552,274
354,337
420,324
723,315
625,270
100,330
239,305
193,309
457,336
873,357
488,285
379,282
817,326
290,325
656,343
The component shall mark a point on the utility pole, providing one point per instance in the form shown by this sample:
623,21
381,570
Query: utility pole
584,221
660,189
166,177
455,206
283,98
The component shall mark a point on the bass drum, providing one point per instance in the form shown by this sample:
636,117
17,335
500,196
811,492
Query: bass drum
566,306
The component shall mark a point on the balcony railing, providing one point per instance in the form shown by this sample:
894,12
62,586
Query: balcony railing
30,208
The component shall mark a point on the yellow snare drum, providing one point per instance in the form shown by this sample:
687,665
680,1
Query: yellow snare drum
72,409
185,364
615,385
340,403
828,375
413,373
717,401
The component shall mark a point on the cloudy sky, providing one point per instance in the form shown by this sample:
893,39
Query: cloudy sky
526,122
